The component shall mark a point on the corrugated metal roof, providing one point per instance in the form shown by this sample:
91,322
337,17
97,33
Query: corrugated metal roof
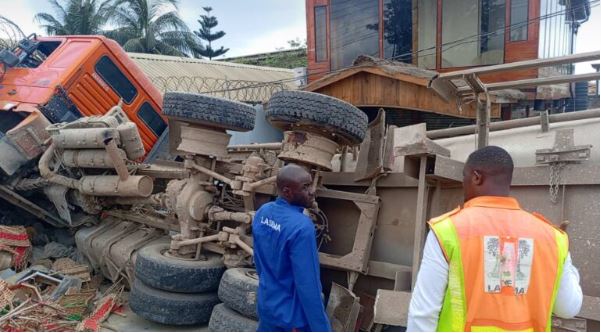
231,80
160,65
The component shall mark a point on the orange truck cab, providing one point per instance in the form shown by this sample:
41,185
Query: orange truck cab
61,78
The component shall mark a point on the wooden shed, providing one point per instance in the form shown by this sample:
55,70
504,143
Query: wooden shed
372,82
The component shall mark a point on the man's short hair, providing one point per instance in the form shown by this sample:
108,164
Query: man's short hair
492,161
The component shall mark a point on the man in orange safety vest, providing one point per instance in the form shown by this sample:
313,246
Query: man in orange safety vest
491,266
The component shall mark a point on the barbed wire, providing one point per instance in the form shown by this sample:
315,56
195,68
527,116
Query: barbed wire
239,90
10,33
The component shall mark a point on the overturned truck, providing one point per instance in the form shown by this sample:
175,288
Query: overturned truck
178,232
172,229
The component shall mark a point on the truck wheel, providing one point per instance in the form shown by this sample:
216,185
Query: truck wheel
156,269
238,290
224,319
209,110
316,112
171,308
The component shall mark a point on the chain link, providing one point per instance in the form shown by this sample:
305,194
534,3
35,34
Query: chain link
554,180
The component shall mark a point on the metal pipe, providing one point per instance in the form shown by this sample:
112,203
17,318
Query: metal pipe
177,244
482,128
157,199
45,172
231,216
243,245
542,81
89,158
131,140
118,163
507,124
211,173
112,186
534,63
257,184
234,235
85,138
268,146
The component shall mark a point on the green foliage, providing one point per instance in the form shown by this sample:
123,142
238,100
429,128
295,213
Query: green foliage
208,22
145,26
282,59
76,17
152,26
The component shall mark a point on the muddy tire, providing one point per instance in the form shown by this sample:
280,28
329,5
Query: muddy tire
209,110
314,112
238,290
171,308
224,319
177,275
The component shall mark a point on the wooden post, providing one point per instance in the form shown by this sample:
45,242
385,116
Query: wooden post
483,121
420,223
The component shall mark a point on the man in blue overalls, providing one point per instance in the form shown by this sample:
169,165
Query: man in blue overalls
285,252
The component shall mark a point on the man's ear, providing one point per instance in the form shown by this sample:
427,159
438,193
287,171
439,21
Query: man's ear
477,177
285,191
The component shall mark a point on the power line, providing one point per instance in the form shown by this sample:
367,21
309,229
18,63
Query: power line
452,44
495,32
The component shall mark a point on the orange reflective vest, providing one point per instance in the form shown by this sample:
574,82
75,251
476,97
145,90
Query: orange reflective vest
505,265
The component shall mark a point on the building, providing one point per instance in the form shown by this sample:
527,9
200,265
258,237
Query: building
441,35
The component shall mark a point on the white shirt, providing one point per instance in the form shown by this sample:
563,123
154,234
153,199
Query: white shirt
428,293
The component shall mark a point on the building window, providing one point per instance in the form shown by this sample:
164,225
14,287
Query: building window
398,32
427,11
519,20
152,119
114,77
556,36
492,30
354,31
472,32
321,54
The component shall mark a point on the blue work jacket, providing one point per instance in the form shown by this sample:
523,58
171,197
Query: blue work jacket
285,253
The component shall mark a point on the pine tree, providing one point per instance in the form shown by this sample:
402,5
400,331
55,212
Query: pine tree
207,23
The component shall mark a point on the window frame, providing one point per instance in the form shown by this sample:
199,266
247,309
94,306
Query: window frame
527,22
110,84
325,35
340,45
155,113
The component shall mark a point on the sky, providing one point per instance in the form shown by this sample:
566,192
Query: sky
251,26
257,26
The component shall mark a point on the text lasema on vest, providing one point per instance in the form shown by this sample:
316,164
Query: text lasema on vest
271,223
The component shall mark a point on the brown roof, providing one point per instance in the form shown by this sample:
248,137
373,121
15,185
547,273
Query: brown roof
395,67
388,68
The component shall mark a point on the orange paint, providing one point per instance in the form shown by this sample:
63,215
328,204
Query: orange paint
71,66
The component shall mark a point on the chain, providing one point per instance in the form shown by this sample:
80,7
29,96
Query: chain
554,180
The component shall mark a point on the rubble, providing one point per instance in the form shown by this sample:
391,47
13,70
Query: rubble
107,304
15,247
57,294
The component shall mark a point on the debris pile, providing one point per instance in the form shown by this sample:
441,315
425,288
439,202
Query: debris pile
54,295
15,247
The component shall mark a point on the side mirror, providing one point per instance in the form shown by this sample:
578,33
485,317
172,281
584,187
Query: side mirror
8,58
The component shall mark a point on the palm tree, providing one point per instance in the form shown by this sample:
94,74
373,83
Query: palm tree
76,17
152,26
